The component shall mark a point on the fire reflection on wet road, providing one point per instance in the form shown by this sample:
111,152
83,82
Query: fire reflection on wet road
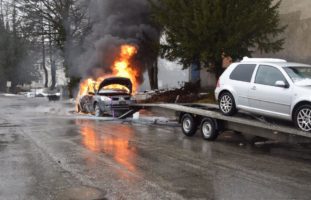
118,148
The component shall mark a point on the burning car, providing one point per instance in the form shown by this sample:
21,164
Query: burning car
113,97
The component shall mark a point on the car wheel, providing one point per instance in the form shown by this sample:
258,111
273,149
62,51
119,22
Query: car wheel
302,118
98,112
208,129
227,104
188,125
78,108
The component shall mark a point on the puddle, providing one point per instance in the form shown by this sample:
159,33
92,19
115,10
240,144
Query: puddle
3,145
8,125
81,193
6,139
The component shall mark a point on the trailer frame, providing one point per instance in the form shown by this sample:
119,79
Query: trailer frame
242,122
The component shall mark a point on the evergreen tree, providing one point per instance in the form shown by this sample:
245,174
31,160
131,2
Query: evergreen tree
200,31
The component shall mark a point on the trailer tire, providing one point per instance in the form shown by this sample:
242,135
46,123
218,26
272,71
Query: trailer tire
208,129
189,125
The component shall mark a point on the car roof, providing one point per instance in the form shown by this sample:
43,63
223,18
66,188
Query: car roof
271,61
287,64
292,64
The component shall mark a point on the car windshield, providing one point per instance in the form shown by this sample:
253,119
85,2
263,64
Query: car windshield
106,91
300,75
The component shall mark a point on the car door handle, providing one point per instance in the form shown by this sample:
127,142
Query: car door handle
254,88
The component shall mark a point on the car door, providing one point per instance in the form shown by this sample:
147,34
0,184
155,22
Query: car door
240,80
267,98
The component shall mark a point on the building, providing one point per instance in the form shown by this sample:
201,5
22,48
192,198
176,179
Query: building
293,13
297,16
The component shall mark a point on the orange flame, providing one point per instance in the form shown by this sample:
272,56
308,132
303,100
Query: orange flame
122,67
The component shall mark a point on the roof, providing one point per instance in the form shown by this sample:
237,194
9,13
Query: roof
272,61
269,60
292,64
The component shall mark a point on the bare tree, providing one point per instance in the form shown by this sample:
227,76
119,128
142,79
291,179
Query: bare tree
16,63
64,23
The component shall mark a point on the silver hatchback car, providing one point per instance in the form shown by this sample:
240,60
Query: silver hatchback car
269,87
112,101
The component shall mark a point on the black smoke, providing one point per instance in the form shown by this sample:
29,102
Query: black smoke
116,22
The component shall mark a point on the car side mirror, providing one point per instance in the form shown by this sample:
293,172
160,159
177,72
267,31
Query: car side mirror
281,84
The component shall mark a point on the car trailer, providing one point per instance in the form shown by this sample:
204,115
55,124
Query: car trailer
211,122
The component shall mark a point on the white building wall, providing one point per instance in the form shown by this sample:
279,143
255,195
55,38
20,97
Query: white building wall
297,16
170,75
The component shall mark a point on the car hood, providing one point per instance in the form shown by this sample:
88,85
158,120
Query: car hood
303,83
117,80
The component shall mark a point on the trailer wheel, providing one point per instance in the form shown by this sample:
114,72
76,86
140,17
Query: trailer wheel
208,129
189,125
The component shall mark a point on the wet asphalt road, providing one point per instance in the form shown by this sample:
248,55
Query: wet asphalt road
46,152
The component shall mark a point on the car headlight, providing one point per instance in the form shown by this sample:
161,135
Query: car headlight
105,98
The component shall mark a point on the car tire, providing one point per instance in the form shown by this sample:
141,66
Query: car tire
97,110
78,108
189,125
302,117
227,104
208,129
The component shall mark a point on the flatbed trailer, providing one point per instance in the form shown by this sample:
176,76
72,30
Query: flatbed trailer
211,122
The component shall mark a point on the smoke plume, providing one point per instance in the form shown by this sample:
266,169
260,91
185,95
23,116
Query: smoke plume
115,22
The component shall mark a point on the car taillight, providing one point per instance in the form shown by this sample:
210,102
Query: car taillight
218,83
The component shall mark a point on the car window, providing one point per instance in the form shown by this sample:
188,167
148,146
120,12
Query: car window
268,75
243,72
299,74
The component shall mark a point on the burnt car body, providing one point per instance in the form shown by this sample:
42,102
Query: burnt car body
113,102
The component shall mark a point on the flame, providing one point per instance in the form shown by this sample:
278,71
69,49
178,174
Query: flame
86,86
122,67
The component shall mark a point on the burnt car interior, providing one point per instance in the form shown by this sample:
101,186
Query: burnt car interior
116,81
